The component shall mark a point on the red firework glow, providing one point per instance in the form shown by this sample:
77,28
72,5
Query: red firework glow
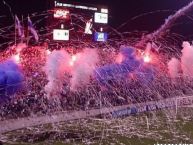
119,58
73,59
16,58
48,52
147,58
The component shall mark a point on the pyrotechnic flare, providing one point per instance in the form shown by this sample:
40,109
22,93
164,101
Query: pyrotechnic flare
147,58
48,52
16,58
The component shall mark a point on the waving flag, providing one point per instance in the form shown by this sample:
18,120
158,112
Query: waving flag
32,29
19,27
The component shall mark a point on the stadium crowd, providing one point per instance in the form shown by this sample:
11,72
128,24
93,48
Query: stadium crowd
32,99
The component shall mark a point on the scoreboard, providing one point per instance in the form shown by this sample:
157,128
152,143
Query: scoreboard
71,19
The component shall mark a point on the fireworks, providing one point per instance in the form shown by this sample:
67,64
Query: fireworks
73,60
16,58
147,58
48,52
99,76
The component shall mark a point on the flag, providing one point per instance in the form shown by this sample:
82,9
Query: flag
19,27
32,29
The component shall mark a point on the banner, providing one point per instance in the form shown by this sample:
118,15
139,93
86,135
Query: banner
154,106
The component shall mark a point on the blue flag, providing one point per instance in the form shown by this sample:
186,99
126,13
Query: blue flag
19,27
32,29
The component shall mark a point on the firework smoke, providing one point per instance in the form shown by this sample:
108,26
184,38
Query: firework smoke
80,67
166,26
174,67
187,59
56,65
84,67
11,78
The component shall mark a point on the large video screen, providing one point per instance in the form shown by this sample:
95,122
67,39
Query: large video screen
100,36
60,34
61,14
101,18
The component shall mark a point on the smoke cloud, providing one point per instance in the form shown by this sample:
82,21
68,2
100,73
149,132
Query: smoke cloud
187,59
11,78
174,67
84,67
56,65
80,67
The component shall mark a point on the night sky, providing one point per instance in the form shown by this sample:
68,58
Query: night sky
121,11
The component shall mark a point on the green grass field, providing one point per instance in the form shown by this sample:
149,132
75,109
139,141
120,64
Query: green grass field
163,127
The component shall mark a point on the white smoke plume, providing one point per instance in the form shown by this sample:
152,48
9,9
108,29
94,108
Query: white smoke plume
171,19
80,67
56,65
187,59
174,67
167,25
84,67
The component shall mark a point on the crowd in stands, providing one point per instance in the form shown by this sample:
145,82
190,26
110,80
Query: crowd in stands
32,99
